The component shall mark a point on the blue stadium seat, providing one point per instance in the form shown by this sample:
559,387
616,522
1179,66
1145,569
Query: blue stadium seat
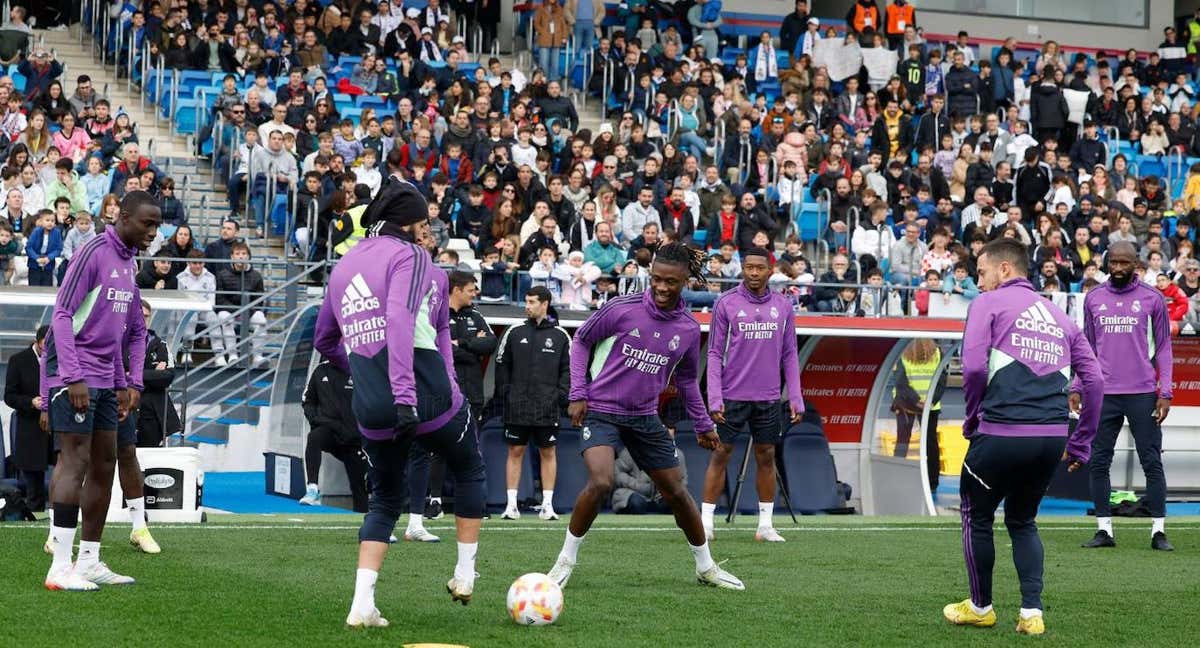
809,471
495,455
185,116
370,101
1151,165
808,222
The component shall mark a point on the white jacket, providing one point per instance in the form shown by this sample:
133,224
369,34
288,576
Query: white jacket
635,216
205,284
876,242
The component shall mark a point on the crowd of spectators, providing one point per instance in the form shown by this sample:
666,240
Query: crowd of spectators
698,142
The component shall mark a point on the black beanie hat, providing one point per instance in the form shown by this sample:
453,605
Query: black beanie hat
398,202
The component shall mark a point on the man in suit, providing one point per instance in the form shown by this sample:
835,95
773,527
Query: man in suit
32,448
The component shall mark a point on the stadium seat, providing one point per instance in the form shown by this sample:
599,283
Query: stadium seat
808,222
809,471
1151,165
495,456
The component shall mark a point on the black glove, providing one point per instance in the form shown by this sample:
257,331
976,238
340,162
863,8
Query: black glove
406,419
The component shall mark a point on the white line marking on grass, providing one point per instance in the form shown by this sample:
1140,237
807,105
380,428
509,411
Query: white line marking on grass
559,529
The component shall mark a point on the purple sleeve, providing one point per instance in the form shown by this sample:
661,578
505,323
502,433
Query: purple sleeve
135,337
403,304
1163,359
718,336
1089,333
65,306
328,337
689,387
1085,367
43,384
791,364
596,328
977,344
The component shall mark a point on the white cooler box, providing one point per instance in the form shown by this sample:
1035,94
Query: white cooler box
173,485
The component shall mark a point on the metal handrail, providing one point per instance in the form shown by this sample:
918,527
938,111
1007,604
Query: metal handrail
174,105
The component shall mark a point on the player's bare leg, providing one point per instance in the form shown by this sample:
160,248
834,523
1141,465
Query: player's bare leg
74,460
601,467
669,482
96,495
714,485
764,459
129,472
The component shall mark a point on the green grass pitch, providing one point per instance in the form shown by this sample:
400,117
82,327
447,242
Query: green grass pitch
276,580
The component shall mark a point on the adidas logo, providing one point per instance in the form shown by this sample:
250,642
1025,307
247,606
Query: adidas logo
358,297
1103,308
524,341
741,313
114,274
635,333
324,378
1038,319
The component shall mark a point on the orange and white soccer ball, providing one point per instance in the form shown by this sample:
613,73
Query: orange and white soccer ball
534,599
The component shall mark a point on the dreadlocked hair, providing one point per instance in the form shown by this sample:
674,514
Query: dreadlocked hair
682,254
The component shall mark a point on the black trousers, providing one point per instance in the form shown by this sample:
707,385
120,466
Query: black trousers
323,439
1138,409
34,482
1015,471
933,452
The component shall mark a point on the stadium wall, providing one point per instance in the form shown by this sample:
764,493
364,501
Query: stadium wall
1160,13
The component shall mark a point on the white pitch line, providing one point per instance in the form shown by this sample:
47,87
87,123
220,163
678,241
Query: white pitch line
559,529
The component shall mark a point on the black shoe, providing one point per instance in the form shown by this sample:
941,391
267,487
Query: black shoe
1159,542
433,510
1101,539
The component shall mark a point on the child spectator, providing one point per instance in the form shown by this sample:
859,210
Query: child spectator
497,276
367,171
960,283
437,227
541,272
1177,302
932,284
846,303
10,247
83,231
938,257
877,299
95,183
793,249
575,278
43,249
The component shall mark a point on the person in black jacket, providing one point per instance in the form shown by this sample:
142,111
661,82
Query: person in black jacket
794,26
962,88
1048,108
1088,151
932,124
334,430
157,418
752,219
555,106
533,379
157,274
238,285
1033,184
891,134
32,450
472,338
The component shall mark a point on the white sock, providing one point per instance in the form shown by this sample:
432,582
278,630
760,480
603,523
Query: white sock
137,512
570,548
50,533
1105,524
415,523
364,590
706,514
89,553
548,500
63,542
1029,613
464,569
1159,525
704,561
512,498
765,510
980,610
314,487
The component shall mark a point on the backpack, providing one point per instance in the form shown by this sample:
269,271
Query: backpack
711,11
12,503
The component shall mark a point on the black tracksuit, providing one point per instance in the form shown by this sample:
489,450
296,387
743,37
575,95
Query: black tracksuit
334,429
465,328
533,373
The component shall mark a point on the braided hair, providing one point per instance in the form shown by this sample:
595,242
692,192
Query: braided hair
681,254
